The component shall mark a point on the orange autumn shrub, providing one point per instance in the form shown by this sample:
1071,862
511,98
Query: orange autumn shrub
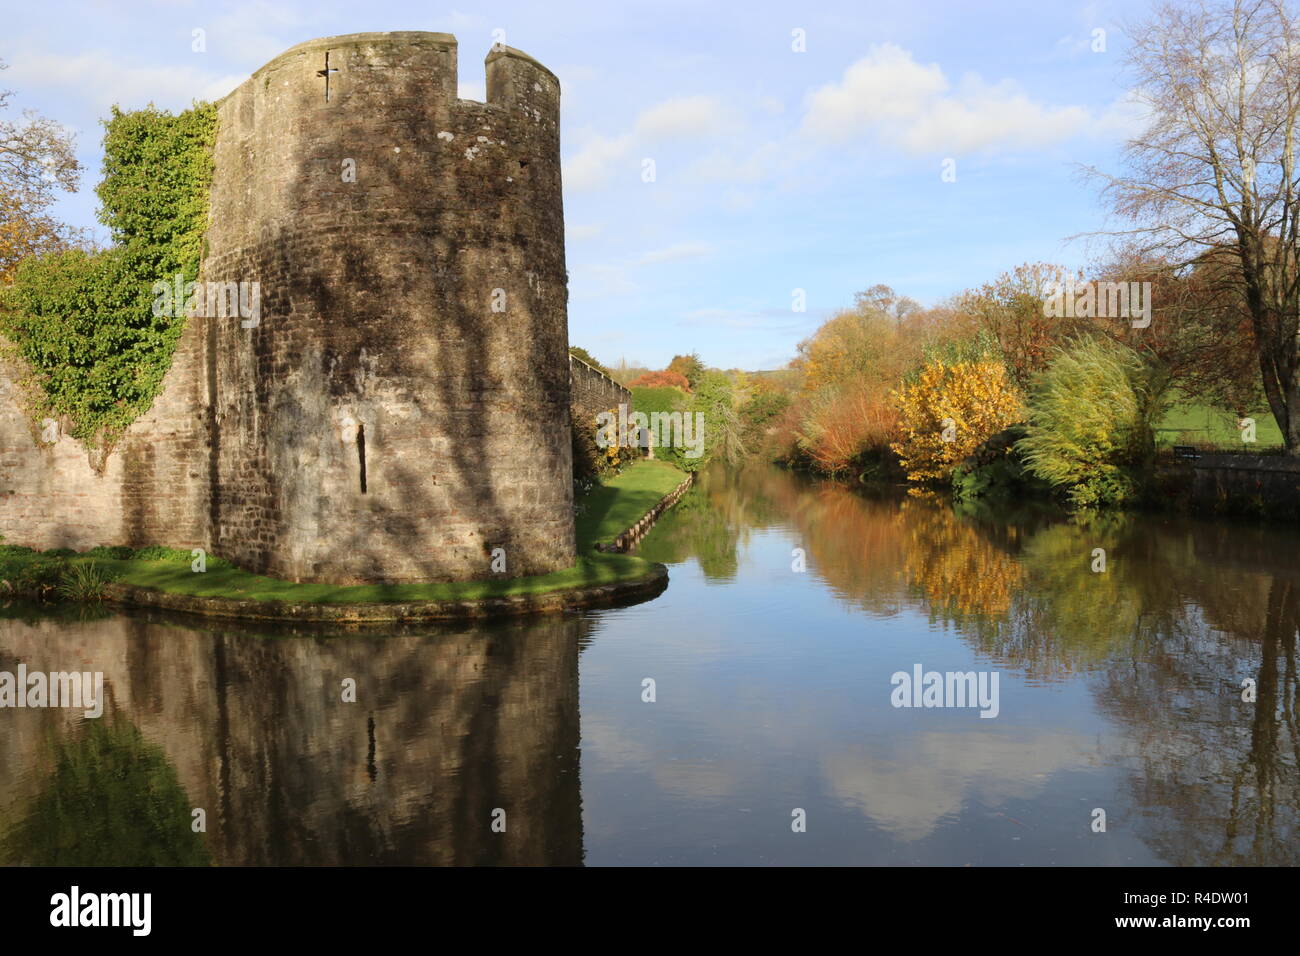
839,427
661,380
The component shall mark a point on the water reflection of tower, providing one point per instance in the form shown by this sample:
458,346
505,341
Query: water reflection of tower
447,728
454,728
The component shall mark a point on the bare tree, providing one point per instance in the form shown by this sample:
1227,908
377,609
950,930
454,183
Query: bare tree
1214,173
36,160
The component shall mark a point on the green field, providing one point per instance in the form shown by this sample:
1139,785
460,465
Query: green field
1202,425
605,511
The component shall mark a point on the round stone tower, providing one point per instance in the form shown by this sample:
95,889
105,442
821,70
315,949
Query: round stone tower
392,403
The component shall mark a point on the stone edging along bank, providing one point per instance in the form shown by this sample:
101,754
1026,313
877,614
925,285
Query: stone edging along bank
650,585
634,534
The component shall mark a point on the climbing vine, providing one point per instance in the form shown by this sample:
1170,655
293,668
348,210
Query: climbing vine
84,320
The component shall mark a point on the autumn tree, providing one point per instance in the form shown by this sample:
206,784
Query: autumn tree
1202,344
664,379
948,410
1215,169
688,366
884,300
1011,309
36,161
863,345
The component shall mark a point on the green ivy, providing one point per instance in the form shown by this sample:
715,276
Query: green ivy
84,321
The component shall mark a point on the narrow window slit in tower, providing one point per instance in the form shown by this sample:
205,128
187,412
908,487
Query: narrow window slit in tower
326,73
361,454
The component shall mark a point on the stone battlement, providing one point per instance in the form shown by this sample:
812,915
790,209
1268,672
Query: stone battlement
399,411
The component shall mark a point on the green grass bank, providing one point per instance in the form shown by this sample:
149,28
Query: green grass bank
604,512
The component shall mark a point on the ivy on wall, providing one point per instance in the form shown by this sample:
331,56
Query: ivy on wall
83,321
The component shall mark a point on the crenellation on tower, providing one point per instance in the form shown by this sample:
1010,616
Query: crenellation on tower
401,408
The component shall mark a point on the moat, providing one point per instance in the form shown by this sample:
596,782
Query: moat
1119,689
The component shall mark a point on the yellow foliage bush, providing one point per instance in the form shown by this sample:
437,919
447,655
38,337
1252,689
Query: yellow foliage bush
948,410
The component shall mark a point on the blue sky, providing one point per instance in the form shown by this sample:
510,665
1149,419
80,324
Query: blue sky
775,170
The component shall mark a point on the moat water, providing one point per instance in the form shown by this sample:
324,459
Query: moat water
773,736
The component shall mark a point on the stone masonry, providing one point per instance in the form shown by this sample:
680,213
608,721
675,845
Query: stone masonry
402,407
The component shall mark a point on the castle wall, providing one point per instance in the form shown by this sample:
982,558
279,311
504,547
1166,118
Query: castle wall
151,489
409,252
593,392
378,329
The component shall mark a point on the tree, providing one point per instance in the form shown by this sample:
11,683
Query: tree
884,300
723,427
36,160
688,366
861,344
578,352
1091,422
948,410
1203,343
665,379
1215,169
1010,308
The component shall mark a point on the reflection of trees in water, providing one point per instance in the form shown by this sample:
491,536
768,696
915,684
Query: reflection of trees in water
960,573
112,800
699,527
1183,612
1065,618
448,726
1216,776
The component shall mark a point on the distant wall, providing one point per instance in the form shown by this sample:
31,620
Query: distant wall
1246,484
591,392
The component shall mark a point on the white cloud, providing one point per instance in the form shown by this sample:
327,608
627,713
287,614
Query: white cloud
911,797
599,281
593,165
578,233
675,253
889,95
684,116
102,80
717,166
247,33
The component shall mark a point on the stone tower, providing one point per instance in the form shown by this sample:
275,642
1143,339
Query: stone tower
401,409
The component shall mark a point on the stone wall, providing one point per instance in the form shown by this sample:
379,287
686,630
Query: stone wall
151,489
391,416
592,392
1246,484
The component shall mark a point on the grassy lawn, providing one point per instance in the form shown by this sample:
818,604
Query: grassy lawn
605,512
615,506
1193,424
